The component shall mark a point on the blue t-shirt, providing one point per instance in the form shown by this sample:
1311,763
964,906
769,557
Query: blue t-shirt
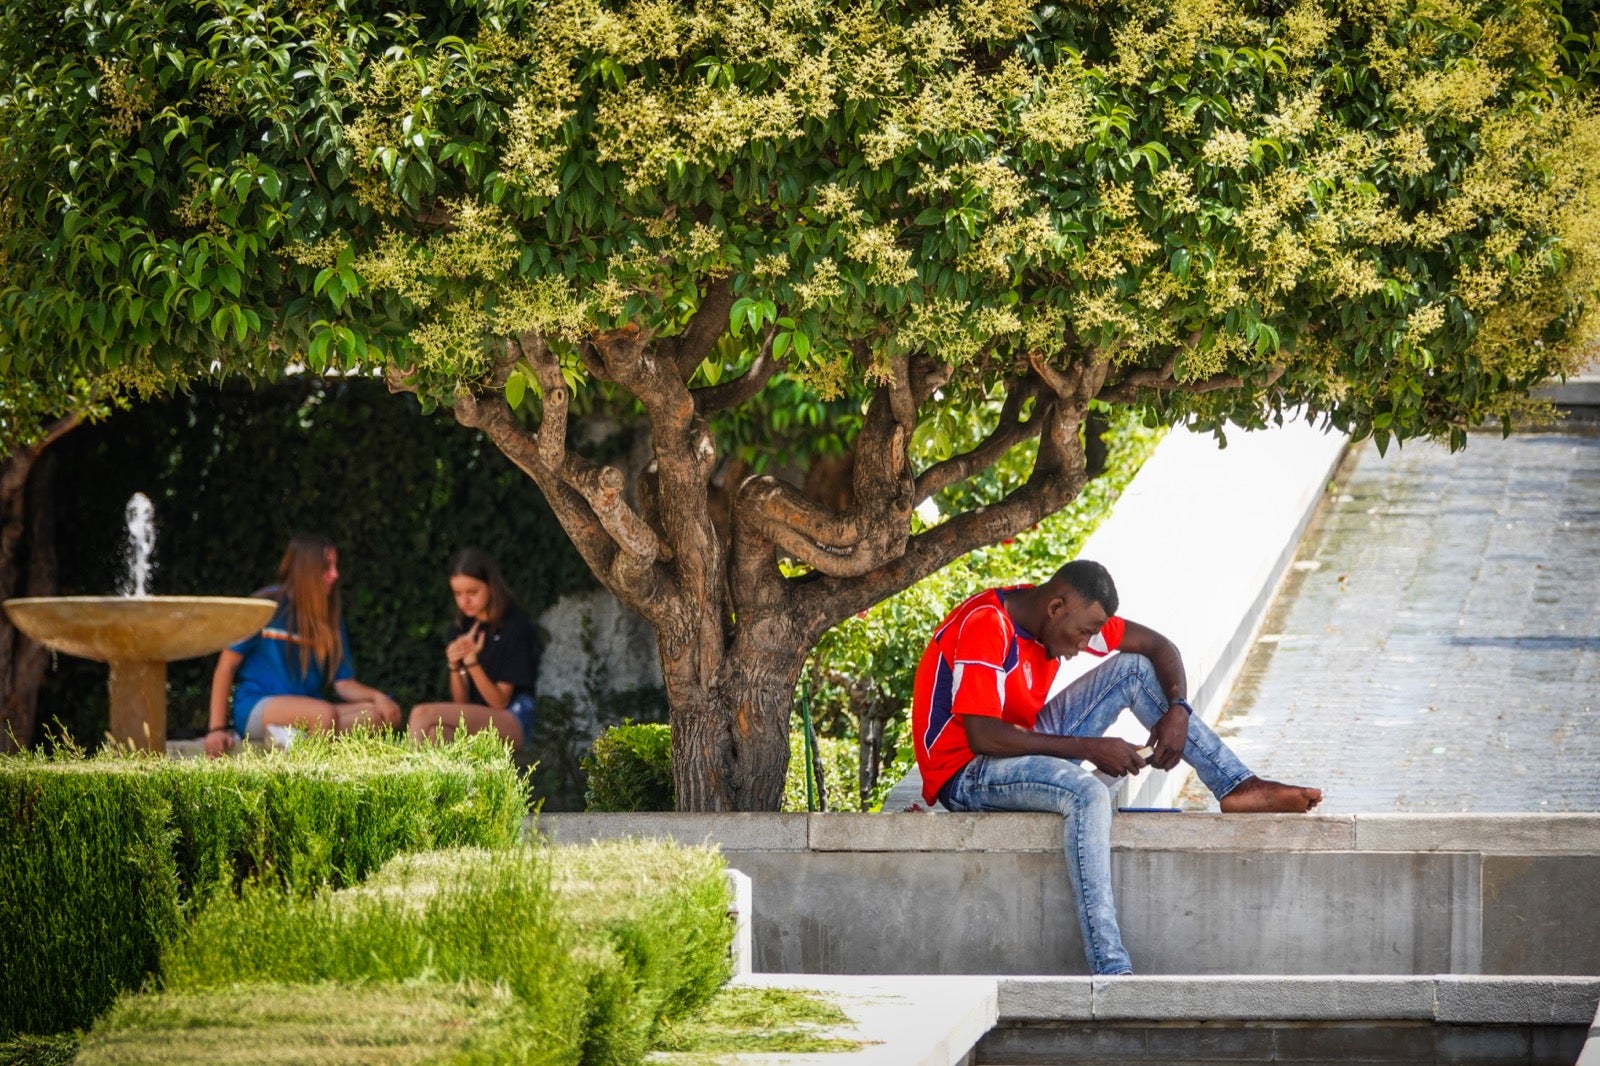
271,666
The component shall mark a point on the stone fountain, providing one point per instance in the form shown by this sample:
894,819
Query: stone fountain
138,635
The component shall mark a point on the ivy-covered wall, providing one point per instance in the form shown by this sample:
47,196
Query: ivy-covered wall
233,473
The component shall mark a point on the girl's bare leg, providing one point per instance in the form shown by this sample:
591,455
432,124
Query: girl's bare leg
367,714
440,721
303,712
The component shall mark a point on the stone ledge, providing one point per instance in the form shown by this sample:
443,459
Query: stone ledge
730,832
1503,834
944,832
1046,999
1240,998
1213,831
1486,834
1516,1000
1443,998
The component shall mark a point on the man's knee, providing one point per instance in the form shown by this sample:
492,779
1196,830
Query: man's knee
1138,665
1078,791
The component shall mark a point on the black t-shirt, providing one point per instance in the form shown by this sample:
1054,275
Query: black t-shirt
510,653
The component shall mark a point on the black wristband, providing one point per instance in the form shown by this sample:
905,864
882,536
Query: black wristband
1180,702
218,729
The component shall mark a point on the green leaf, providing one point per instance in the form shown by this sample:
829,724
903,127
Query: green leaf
516,387
738,314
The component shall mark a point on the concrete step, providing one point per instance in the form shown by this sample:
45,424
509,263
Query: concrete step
1444,1018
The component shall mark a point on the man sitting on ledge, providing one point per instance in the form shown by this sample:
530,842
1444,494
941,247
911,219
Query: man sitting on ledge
986,739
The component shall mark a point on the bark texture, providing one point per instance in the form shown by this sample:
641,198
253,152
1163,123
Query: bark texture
27,568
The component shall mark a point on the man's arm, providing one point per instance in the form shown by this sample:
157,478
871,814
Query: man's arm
1172,731
993,736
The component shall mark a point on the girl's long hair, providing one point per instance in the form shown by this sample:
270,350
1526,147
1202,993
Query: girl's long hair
313,608
480,566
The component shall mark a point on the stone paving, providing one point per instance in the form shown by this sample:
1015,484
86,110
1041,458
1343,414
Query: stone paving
1436,646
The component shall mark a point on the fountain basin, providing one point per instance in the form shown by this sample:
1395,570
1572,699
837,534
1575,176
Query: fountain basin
143,628
138,636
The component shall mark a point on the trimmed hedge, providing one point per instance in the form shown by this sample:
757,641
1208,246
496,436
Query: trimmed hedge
630,769
554,956
653,916
103,859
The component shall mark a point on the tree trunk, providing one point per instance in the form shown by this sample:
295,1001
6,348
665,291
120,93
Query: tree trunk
730,743
27,568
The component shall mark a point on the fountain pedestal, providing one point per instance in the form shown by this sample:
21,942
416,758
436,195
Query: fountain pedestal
139,704
138,636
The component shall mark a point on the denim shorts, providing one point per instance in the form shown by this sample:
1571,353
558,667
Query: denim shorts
521,705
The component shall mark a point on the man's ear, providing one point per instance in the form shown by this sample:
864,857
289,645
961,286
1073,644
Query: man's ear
1055,606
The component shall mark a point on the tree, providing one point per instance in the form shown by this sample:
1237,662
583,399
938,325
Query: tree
966,221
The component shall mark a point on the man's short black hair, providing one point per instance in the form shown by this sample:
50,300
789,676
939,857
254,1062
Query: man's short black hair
1089,580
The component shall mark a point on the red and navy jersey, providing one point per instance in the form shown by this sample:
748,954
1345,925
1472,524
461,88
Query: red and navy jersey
980,662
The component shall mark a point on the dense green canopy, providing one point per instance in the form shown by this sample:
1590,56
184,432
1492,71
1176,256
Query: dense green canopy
1382,204
970,218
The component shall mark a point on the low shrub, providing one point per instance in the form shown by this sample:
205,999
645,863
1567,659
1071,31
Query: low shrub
57,1050
553,956
630,769
471,918
749,1019
653,918
102,859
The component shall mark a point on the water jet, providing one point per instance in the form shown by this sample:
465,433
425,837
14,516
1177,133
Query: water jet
138,635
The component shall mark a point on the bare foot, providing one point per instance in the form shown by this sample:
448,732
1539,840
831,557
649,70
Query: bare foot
1258,796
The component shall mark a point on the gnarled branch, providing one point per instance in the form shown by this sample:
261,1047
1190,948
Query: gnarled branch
824,602
710,320
602,488
557,399
714,398
1127,390
1011,431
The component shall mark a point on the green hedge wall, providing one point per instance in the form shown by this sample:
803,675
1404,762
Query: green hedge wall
102,859
234,472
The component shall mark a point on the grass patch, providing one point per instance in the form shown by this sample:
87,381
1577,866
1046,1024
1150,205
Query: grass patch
741,1019
317,1025
39,1050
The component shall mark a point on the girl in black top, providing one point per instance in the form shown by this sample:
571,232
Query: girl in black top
493,655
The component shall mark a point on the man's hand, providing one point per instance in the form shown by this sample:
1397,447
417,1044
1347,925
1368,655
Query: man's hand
1169,737
1112,755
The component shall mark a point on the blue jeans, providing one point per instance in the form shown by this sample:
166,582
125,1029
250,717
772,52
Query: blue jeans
1086,708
